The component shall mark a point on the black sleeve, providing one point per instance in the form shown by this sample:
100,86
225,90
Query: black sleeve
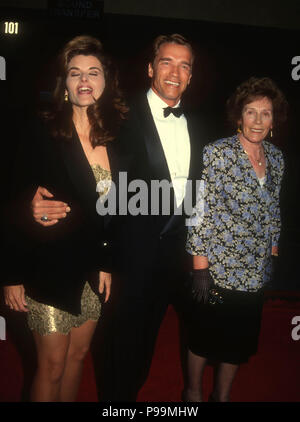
18,221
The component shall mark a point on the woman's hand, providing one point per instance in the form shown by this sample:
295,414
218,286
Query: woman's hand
202,282
15,297
105,282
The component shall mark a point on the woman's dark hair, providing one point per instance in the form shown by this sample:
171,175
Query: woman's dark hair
106,114
251,90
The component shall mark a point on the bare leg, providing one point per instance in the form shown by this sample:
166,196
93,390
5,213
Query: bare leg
195,369
223,381
79,346
51,354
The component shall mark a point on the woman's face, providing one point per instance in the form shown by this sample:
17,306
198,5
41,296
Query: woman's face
257,120
85,80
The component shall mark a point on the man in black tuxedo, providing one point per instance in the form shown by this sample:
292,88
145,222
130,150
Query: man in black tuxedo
158,142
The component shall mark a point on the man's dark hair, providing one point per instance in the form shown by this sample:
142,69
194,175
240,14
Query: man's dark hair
173,38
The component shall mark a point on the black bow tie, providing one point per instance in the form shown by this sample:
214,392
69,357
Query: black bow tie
177,111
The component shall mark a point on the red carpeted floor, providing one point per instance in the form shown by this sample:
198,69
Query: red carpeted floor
273,375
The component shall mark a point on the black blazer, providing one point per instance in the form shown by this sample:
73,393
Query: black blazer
142,157
54,262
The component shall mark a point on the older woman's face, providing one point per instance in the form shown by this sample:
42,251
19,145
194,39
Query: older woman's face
85,80
257,120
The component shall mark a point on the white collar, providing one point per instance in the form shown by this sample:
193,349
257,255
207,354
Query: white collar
157,104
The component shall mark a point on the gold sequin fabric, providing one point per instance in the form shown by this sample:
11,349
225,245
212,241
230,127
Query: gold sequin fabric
103,179
46,319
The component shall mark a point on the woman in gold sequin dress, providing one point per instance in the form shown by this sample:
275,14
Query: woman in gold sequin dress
68,154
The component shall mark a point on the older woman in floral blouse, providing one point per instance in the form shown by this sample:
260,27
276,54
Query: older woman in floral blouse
233,235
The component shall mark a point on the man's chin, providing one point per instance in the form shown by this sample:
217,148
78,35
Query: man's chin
171,98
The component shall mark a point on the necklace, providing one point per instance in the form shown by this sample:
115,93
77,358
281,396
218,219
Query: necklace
259,162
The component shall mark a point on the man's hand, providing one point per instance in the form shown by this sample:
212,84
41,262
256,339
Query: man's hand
15,297
105,282
53,210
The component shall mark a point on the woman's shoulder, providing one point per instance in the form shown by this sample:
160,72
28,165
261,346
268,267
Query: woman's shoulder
272,148
221,144
273,151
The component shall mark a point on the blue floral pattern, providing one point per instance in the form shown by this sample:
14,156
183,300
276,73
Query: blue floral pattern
236,221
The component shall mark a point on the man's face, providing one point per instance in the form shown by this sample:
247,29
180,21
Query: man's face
171,72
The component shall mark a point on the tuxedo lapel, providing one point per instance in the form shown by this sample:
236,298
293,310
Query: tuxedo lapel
155,152
159,169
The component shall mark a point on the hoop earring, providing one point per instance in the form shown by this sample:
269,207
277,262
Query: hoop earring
239,130
66,97
271,133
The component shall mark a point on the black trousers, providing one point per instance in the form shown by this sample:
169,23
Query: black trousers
141,298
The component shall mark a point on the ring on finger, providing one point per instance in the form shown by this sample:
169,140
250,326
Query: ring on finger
44,218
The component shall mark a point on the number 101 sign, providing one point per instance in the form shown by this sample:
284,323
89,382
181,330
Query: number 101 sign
11,27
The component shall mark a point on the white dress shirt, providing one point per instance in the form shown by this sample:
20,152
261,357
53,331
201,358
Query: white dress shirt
175,140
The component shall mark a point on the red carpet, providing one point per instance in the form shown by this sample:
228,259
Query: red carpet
272,375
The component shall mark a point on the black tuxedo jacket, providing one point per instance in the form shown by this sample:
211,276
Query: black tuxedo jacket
146,238
54,262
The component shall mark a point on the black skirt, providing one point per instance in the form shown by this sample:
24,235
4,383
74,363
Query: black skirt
226,332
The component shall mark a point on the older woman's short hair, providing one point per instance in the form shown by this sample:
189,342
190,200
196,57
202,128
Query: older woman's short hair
251,90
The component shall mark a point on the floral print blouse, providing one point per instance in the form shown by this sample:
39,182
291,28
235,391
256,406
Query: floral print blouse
236,220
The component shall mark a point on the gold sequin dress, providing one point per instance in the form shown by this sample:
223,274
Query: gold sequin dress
45,319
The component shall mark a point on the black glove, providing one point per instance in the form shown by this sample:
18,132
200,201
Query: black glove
202,282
